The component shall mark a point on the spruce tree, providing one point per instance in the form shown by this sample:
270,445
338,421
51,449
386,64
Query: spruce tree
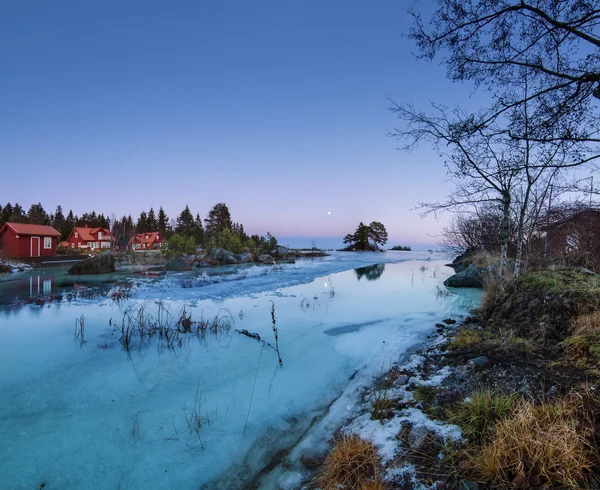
142,223
163,222
198,231
219,219
185,223
152,224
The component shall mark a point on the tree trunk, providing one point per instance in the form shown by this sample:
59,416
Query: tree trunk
505,226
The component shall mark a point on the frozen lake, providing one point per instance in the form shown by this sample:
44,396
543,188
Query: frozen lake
91,415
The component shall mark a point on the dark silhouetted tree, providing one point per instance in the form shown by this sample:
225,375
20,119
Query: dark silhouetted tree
219,219
185,223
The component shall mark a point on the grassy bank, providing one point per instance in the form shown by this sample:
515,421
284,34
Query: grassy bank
520,380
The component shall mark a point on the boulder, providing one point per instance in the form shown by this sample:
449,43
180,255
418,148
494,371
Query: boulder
244,257
265,259
230,259
281,251
100,264
178,264
201,263
470,277
220,256
480,361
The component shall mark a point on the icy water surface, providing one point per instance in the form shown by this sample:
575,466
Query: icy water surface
213,411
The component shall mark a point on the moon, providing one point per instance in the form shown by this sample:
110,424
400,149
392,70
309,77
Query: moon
328,212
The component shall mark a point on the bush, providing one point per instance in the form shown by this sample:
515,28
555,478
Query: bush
481,411
179,245
230,241
544,443
351,464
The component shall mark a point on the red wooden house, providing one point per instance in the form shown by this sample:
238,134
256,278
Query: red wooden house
21,240
146,241
91,239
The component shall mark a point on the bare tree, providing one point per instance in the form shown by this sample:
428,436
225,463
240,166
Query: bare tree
479,160
492,41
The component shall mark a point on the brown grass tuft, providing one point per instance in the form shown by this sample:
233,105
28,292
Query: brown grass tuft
548,442
586,324
352,464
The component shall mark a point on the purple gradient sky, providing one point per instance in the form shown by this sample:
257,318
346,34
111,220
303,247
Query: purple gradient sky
277,108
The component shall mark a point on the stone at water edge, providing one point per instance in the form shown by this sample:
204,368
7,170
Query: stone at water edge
281,251
220,256
471,277
178,264
244,257
100,264
265,259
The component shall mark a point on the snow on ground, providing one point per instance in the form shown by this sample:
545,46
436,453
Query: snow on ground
210,413
15,266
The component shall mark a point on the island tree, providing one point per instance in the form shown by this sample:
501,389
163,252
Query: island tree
367,237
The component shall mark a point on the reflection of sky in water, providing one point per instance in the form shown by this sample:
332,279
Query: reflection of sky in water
93,416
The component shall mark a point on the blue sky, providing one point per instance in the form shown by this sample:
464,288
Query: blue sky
278,109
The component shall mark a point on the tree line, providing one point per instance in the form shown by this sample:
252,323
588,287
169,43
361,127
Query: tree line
217,230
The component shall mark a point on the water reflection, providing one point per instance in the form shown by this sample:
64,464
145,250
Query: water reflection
43,287
370,272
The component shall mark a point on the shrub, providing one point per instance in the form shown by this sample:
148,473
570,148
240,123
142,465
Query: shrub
351,464
481,411
179,245
467,338
539,442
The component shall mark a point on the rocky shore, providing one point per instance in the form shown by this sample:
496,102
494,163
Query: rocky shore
478,406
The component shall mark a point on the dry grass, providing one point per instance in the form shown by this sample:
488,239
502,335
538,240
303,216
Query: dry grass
352,464
467,339
481,411
583,346
541,443
588,324
485,259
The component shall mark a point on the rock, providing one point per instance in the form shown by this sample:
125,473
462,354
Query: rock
265,259
440,326
178,264
281,251
230,259
471,277
220,256
244,258
402,380
100,264
201,263
480,361
417,437
449,321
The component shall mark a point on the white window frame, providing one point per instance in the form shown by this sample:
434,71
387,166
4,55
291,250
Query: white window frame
47,242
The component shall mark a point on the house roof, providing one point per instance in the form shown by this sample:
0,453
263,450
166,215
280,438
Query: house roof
141,237
87,234
27,229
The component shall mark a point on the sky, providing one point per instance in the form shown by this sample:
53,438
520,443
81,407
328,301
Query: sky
277,108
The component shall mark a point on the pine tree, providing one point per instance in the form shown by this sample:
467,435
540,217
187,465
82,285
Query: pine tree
18,214
6,213
151,222
163,222
142,223
36,215
68,225
377,234
58,221
198,231
185,223
219,219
